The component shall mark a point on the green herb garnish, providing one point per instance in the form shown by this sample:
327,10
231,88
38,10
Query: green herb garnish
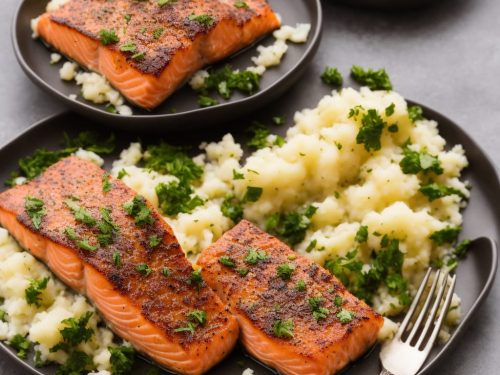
237,175
197,316
108,37
232,209
203,19
137,208
227,261
435,191
254,256
80,213
252,194
415,113
362,234
241,4
189,327
139,56
166,2
195,278
291,227
117,258
144,269
374,79
166,271
345,316
122,359
332,76
283,328
154,240
84,244
74,333
414,162
300,286
21,344
122,173
176,197
35,209
285,270
243,271
371,130
128,47
446,235
260,137
106,184
34,290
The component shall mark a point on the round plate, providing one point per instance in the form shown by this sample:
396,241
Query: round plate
181,111
481,219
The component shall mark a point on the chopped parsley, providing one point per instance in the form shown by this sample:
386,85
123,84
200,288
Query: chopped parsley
70,233
374,79
34,290
166,271
35,209
243,271
435,191
260,137
84,244
371,130
241,5
319,312
345,316
197,316
362,234
337,301
415,113
394,128
74,332
108,37
285,270
203,19
122,173
462,248
137,208
331,76
195,278
446,235
80,213
107,228
189,327
224,81
300,286
232,208
128,47
21,344
414,162
292,226
283,328
311,246
157,33
144,269
77,363
252,194
167,159
117,258
127,18
279,120
389,111
154,240
122,359
254,256
206,101
139,56
237,175
3,315
106,184
176,197
227,261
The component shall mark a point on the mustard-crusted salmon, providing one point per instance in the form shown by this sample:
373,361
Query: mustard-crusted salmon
104,241
146,49
293,315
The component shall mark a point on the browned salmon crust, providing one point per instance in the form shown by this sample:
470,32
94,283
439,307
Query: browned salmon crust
261,298
157,303
153,47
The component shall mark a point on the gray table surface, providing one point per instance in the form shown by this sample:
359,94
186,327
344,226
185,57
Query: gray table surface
446,56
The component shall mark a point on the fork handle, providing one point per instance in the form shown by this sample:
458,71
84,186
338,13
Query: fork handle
385,372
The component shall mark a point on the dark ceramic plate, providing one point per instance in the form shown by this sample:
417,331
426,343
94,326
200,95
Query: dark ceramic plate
481,219
34,59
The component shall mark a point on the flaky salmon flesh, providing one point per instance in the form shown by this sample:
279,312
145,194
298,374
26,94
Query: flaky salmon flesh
294,316
106,242
146,49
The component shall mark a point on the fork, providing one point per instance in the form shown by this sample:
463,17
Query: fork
407,351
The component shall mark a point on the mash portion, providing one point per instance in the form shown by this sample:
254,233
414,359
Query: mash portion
322,164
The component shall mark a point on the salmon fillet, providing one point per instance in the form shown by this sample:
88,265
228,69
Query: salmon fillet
156,46
294,316
106,242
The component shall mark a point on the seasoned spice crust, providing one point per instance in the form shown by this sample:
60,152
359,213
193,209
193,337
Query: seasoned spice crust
263,297
163,300
157,31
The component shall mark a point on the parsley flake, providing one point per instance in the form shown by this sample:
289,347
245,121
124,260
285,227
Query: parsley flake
254,256
21,344
300,286
252,194
128,47
177,197
190,327
137,208
241,5
117,258
80,213
243,271
362,234
331,76
121,359
227,261
166,271
285,270
74,332
237,175
197,316
34,290
283,328
144,269
122,173
35,209
435,191
106,184
415,113
203,19
345,316
108,37
371,130
374,79
232,208
195,278
447,235
414,162
154,240
157,33
292,226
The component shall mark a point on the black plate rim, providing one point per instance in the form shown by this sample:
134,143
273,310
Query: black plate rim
254,99
465,320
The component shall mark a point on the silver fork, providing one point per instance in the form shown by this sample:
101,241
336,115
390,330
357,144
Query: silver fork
407,351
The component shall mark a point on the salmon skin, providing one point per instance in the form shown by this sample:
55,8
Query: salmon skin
154,47
137,276
294,316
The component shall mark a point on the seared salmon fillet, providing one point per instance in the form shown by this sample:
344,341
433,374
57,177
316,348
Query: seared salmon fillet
104,241
294,316
146,49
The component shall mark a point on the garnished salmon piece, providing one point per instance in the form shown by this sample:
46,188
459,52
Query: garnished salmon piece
146,49
110,244
294,316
